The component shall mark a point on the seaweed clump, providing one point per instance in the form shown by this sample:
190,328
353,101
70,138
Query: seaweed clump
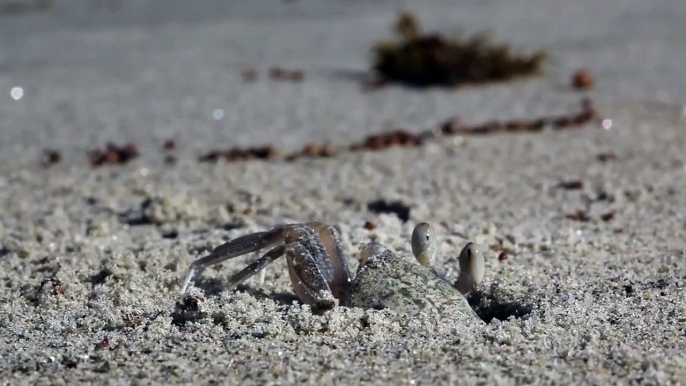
435,60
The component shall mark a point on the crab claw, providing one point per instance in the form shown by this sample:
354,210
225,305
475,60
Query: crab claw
472,267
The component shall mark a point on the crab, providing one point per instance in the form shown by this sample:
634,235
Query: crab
320,276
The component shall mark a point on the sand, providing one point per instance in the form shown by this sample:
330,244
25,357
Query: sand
92,259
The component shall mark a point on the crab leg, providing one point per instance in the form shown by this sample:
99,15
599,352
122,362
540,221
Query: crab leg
341,273
257,266
309,282
234,248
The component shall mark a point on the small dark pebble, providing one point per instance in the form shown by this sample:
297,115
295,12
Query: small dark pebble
368,225
187,310
170,144
170,234
502,256
606,157
113,154
240,154
249,75
602,196
51,157
571,185
607,217
583,80
579,215
70,363
394,138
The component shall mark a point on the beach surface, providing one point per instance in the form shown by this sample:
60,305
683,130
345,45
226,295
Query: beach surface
584,230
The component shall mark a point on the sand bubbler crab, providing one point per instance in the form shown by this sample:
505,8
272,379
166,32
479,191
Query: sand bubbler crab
319,272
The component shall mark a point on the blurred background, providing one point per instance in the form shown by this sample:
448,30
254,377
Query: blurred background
75,74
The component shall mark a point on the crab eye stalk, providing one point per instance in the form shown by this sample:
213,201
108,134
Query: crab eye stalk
423,244
472,267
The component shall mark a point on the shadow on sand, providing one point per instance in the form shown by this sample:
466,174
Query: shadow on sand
489,306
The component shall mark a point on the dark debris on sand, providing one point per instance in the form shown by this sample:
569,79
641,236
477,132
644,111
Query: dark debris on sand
395,207
240,154
113,154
